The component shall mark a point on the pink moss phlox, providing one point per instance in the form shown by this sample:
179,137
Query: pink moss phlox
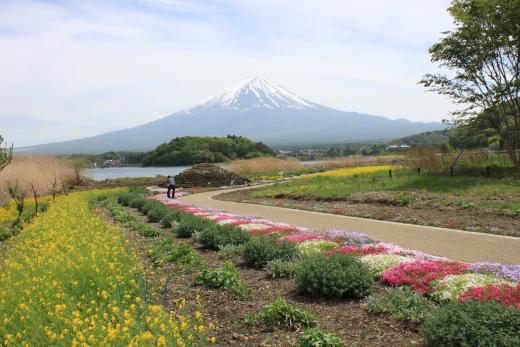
420,273
361,250
241,222
504,294
274,230
299,238
223,217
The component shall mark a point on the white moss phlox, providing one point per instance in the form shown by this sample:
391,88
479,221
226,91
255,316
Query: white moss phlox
452,286
315,246
379,263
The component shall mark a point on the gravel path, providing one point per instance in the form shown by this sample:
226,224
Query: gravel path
454,244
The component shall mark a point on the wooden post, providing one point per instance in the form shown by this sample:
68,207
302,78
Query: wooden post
418,170
390,174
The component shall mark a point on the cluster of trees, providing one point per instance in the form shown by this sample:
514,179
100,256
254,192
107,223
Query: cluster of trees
193,150
125,158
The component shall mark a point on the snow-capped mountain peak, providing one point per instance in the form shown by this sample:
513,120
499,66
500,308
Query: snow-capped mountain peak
255,92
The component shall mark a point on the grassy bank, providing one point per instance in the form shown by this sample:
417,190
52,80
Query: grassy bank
69,279
344,186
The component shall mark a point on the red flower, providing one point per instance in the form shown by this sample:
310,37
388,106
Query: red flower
504,294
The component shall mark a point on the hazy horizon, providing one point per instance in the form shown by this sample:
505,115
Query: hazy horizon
77,69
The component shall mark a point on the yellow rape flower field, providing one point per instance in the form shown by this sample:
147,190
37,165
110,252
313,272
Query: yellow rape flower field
69,279
349,171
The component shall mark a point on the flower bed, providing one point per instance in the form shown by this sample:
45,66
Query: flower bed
379,263
362,250
419,274
391,264
452,286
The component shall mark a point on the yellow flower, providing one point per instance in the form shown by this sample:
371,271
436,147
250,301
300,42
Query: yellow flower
147,336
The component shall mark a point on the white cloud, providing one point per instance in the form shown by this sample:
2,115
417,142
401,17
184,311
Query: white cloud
90,67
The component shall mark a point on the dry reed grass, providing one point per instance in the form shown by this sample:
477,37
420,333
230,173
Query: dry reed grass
359,160
263,164
39,171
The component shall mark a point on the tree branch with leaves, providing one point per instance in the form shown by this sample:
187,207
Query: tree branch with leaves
6,154
482,57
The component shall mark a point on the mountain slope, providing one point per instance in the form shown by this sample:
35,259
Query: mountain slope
254,108
425,139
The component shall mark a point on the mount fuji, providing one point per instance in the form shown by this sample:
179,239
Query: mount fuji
255,108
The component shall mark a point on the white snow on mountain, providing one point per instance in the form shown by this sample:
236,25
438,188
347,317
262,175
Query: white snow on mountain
257,109
255,92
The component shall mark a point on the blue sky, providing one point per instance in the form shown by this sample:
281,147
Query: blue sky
78,68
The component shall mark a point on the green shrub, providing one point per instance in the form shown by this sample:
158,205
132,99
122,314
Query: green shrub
216,236
171,218
196,235
190,224
473,323
147,230
402,304
261,249
139,191
149,205
5,234
335,276
166,251
281,268
283,315
319,338
157,213
229,251
168,220
124,199
27,217
226,277
137,201
44,206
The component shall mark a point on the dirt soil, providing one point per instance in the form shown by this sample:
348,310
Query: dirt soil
377,206
350,320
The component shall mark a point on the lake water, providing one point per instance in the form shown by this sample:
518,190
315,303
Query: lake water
100,174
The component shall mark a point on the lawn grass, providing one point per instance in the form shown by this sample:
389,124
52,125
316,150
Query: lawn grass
336,187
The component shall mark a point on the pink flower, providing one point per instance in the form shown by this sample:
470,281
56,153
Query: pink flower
420,273
274,230
361,250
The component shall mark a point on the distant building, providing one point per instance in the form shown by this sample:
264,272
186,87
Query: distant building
398,148
112,162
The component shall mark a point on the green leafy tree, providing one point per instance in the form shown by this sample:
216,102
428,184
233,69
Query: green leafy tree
482,57
6,154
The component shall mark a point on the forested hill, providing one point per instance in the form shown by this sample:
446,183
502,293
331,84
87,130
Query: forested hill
425,139
195,149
